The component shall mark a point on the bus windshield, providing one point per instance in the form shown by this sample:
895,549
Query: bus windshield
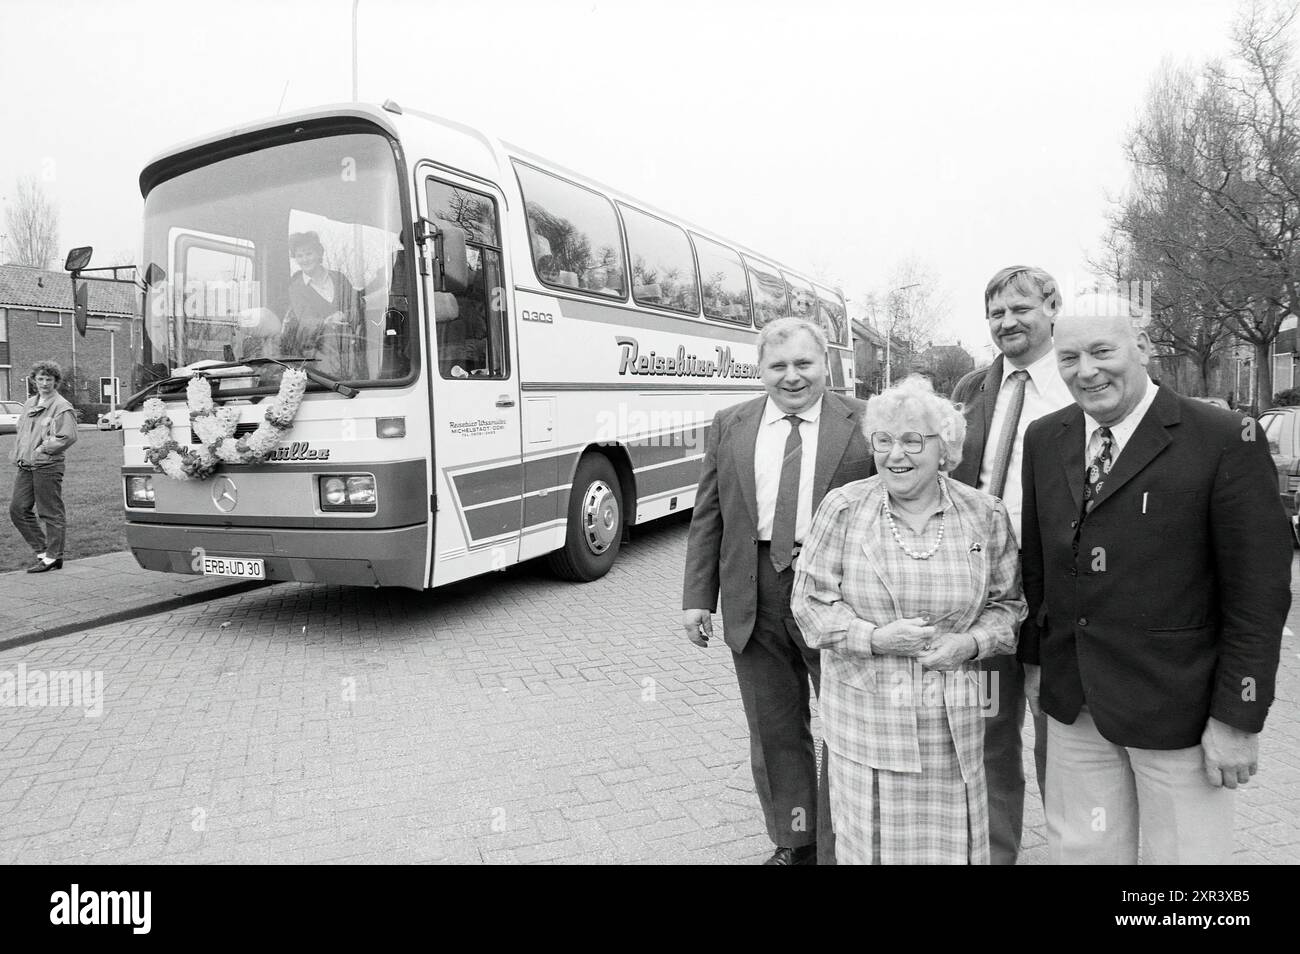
295,252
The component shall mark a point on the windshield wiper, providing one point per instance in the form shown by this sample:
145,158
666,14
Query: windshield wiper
134,400
324,380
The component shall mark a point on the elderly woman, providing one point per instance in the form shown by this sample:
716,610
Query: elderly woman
905,580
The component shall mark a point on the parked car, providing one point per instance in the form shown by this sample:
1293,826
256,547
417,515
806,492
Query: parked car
1217,402
10,412
110,421
1281,427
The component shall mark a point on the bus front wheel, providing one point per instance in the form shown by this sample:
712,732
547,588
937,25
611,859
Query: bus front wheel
595,522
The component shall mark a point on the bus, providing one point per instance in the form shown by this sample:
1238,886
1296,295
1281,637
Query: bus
381,348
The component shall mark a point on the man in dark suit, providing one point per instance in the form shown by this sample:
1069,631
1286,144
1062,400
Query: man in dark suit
999,403
1154,537
767,465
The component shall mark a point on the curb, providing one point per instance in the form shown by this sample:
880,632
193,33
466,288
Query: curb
134,612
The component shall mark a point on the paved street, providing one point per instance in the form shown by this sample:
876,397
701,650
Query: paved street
510,719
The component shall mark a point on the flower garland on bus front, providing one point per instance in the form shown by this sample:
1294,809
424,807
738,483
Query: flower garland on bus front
215,428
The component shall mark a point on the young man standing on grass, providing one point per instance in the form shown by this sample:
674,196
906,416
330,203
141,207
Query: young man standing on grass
47,428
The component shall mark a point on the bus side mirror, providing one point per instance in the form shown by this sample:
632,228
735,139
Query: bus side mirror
450,249
80,306
78,258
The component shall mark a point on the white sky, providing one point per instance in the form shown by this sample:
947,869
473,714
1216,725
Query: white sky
838,137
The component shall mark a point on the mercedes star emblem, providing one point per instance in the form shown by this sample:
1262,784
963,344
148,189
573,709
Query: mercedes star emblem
225,495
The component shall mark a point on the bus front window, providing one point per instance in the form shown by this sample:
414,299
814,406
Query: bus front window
296,251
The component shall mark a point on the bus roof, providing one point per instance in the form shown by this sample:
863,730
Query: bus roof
406,125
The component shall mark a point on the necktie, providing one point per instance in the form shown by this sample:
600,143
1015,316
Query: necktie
787,498
1007,439
1097,470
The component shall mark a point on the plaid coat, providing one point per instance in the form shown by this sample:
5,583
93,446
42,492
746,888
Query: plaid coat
843,590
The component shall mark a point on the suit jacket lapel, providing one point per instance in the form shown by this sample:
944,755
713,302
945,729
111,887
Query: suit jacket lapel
744,435
978,411
991,387
1147,441
834,431
1071,454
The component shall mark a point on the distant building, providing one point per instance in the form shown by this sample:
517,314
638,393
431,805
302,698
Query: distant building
36,324
870,357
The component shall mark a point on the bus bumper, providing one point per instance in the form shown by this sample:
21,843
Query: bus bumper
374,557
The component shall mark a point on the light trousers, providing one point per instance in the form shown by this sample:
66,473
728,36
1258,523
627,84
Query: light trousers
1101,797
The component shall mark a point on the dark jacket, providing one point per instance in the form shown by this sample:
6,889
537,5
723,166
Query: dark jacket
722,549
1172,609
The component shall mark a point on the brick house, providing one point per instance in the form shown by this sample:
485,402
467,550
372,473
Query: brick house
869,359
36,324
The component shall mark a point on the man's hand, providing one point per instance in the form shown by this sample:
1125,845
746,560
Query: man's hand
698,624
1231,755
1033,682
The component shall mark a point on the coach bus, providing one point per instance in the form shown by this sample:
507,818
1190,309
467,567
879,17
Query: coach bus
504,360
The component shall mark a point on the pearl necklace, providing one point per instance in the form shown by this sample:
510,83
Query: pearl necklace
893,527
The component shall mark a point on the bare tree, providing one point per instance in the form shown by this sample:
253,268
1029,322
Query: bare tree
909,310
31,226
1213,215
946,365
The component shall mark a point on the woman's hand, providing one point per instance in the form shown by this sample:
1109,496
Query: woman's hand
903,637
949,651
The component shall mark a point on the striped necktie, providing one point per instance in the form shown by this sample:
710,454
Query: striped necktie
1007,439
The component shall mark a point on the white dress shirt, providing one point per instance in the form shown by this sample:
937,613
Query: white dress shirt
769,454
324,287
1120,433
1045,392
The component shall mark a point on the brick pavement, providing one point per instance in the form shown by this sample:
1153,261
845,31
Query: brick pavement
503,720
95,591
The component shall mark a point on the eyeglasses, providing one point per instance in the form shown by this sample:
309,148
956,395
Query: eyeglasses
882,442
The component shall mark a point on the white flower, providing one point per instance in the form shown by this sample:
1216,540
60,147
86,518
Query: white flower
198,393
172,466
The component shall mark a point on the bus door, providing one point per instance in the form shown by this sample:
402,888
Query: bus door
474,378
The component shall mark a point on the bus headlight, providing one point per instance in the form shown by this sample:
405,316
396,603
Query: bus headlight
139,492
348,492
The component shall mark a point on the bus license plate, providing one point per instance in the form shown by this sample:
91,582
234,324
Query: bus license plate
239,568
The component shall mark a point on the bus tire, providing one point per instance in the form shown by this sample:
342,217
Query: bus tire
595,522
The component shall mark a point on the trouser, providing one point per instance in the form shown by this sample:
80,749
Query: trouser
38,490
773,671
1100,794
1003,768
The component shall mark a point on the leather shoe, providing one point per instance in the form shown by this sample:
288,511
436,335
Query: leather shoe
803,855
43,567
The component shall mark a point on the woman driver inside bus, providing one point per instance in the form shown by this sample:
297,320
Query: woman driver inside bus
323,317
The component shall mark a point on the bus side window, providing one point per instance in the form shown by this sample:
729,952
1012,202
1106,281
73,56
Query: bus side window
471,326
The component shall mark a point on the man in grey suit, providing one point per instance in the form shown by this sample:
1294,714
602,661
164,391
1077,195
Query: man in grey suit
1022,385
767,465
